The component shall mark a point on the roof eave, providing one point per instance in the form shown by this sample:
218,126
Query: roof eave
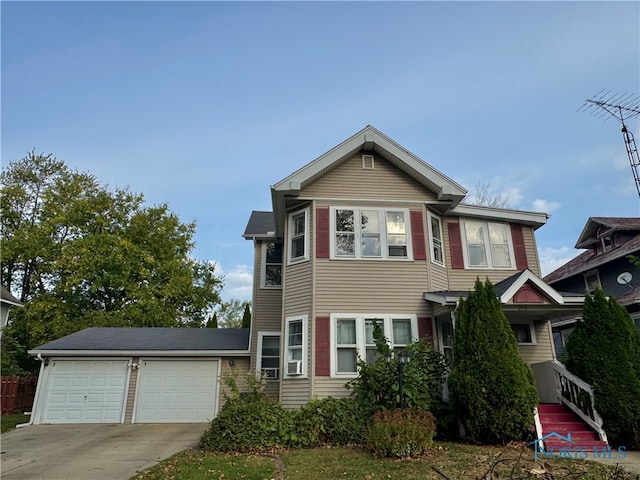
533,219
139,353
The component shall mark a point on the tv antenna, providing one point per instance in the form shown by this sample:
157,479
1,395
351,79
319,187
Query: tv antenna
621,107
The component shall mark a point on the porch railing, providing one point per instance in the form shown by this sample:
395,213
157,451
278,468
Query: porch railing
578,396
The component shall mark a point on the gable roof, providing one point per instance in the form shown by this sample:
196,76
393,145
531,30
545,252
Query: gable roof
7,297
150,341
260,225
589,260
507,288
371,140
590,231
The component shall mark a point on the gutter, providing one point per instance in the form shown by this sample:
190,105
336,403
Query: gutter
140,353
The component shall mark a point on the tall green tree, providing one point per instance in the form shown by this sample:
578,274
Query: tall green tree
492,389
246,316
78,254
604,351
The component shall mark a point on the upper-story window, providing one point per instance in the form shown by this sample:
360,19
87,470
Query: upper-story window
608,240
435,239
488,244
591,280
271,264
298,236
369,233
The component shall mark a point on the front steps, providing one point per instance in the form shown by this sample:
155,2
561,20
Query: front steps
558,421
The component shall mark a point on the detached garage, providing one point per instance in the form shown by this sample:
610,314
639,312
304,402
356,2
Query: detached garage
136,375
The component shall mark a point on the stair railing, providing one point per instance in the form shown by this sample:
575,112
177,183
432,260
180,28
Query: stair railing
578,396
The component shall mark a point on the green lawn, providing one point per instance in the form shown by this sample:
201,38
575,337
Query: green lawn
445,461
9,422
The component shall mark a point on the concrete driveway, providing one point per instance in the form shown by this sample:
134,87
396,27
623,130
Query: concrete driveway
91,452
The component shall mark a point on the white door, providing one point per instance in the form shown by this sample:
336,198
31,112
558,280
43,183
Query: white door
85,391
176,391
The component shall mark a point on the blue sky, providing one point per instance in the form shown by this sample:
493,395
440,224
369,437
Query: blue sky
204,105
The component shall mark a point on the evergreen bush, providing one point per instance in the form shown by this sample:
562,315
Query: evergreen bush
604,351
492,389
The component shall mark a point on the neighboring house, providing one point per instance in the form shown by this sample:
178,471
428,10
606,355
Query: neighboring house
604,263
137,375
370,232
7,301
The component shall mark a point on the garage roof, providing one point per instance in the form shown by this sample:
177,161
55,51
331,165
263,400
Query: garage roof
150,340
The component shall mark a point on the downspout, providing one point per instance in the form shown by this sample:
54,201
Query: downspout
36,394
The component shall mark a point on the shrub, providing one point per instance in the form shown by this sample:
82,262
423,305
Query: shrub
329,421
376,387
492,389
604,350
400,433
248,424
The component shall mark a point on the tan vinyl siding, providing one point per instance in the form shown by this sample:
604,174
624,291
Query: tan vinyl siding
131,393
238,371
266,315
295,393
331,387
272,390
532,249
439,279
384,182
543,350
370,287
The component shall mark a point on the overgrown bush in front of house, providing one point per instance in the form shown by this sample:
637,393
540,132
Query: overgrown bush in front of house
377,388
329,421
249,420
400,433
492,389
604,351
247,424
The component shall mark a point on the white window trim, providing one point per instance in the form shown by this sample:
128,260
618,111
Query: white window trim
284,354
305,257
489,266
585,275
431,216
263,267
259,368
383,235
532,331
361,347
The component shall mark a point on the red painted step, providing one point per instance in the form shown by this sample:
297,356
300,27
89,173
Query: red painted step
559,421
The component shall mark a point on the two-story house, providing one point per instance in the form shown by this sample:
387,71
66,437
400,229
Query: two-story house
369,231
604,263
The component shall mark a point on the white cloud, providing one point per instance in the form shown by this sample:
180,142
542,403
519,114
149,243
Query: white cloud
546,206
552,258
238,282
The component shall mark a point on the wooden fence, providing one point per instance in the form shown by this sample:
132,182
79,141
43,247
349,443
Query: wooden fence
17,394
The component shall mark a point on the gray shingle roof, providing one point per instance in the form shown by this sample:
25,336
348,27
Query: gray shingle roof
260,224
7,297
152,339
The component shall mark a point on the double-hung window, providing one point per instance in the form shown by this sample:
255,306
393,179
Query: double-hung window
353,339
269,359
298,236
272,264
435,239
296,346
369,233
488,244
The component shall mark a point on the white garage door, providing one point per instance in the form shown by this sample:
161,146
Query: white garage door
85,391
175,391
